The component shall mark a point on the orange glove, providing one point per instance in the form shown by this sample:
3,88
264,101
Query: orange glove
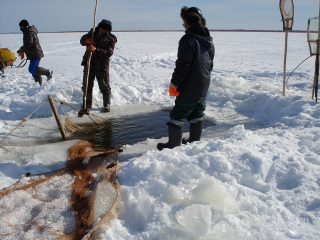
91,48
90,41
173,91
21,54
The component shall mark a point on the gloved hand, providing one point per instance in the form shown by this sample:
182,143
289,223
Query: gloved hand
90,41
21,54
91,48
173,91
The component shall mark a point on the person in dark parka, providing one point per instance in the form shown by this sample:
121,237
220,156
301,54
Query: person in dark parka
191,78
32,48
102,46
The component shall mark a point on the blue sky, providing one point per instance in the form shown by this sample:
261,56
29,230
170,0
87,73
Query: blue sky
77,15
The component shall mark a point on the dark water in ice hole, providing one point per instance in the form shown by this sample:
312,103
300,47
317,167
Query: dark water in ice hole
129,129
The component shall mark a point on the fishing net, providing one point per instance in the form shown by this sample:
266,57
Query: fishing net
70,121
74,124
286,10
313,35
77,202
69,124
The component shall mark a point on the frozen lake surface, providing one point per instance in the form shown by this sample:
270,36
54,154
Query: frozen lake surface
254,174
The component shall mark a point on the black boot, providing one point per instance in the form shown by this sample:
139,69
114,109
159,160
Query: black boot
38,79
175,135
46,72
195,132
106,103
89,100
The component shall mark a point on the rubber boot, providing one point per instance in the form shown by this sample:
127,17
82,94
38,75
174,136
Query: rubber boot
106,103
175,135
38,79
195,132
46,72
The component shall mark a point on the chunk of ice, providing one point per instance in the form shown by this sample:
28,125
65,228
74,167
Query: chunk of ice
213,192
196,219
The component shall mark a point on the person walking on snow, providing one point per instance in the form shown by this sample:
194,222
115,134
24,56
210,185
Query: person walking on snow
102,46
31,47
191,78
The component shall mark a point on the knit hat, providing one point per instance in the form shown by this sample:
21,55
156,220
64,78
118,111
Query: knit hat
24,23
105,24
192,16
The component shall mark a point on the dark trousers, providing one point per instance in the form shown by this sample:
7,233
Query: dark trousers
184,109
103,81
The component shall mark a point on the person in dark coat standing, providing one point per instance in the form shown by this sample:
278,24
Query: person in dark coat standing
102,46
191,78
31,47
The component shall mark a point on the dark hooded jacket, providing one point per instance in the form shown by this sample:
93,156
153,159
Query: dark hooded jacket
194,64
105,46
31,45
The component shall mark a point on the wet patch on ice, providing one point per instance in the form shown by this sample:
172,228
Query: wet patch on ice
130,129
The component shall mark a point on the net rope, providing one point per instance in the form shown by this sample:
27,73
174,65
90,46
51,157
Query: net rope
76,202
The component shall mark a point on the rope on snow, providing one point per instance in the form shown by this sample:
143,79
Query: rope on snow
24,121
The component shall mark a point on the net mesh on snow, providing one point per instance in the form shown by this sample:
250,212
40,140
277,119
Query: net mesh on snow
77,202
286,10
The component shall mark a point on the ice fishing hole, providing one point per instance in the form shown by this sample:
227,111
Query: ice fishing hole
128,130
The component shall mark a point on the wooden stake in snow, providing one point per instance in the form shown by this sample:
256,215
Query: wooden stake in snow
57,117
286,10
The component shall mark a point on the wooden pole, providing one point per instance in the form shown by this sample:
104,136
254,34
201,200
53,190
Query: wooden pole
57,117
316,71
317,59
285,61
316,76
89,59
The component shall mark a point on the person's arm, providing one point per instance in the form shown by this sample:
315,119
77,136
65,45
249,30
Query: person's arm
29,41
105,50
84,37
183,63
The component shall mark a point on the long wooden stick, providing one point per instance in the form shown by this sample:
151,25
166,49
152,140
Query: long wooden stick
316,71
316,76
285,61
317,59
89,59
57,117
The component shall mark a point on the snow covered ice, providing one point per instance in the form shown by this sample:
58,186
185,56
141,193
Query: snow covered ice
254,175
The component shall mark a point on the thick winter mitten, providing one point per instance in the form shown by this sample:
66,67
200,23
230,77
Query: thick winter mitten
21,54
91,48
90,41
173,91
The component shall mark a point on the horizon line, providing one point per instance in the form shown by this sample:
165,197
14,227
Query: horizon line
211,30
